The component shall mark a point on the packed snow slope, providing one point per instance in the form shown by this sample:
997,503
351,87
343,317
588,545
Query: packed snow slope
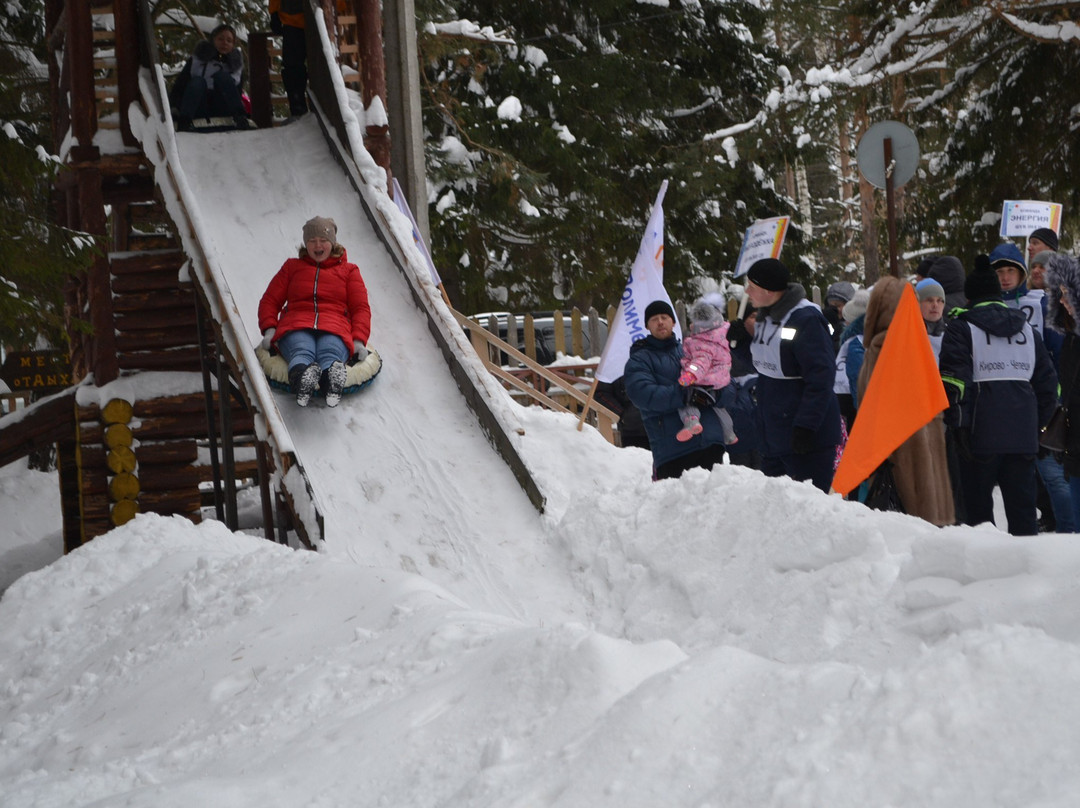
412,448
738,642
718,640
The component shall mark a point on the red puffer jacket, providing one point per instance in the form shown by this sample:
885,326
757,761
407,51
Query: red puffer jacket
330,297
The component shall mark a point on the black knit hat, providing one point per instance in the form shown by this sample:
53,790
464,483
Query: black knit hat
982,283
769,274
658,307
1046,236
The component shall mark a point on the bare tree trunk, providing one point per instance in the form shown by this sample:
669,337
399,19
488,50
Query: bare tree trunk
871,254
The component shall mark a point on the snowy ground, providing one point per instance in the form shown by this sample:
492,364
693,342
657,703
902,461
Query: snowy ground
719,640
735,641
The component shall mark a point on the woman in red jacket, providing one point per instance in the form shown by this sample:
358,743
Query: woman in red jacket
316,312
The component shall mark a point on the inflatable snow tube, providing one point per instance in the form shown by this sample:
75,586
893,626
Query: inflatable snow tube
360,374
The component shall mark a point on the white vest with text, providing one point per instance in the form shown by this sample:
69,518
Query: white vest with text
768,336
1002,359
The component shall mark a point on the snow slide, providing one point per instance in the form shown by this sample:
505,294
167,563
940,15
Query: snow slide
406,451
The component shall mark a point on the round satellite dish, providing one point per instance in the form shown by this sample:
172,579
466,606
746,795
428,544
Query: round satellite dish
871,153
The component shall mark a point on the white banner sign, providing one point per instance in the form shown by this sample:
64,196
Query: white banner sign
763,239
646,284
1020,217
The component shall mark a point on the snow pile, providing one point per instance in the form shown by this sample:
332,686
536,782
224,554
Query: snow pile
739,641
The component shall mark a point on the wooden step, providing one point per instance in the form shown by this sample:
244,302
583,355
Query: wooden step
180,298
147,211
148,281
149,271
151,241
177,360
134,262
161,339
153,319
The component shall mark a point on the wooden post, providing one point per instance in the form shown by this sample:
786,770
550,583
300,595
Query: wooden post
208,400
890,207
404,108
80,59
127,63
102,360
373,79
226,426
262,112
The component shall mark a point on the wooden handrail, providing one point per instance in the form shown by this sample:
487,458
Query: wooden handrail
605,418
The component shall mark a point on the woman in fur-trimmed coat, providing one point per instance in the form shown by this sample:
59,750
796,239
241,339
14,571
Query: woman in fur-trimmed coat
920,465
1062,305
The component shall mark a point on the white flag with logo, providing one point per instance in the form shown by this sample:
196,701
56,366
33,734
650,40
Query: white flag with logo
646,284
403,206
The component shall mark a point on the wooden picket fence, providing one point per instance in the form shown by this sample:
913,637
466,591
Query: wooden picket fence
10,402
585,328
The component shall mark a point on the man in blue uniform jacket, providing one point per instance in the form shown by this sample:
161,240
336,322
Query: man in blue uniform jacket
652,382
793,354
1002,389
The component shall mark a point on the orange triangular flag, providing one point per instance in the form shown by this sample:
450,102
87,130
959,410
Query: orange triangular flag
903,395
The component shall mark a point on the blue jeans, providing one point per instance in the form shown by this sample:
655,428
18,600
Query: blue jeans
1061,498
302,347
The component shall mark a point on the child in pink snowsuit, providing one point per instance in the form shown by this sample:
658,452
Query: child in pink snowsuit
706,366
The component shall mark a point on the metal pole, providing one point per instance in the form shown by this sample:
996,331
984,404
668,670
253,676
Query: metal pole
890,207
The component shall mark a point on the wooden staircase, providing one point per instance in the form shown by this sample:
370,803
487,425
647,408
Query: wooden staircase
154,451
157,420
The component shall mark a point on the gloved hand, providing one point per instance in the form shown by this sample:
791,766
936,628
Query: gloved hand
802,440
961,439
737,334
275,24
953,416
268,337
687,378
360,350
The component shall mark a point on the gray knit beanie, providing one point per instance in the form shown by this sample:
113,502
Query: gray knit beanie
320,227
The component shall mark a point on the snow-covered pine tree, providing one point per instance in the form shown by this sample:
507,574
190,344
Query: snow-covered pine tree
551,126
36,256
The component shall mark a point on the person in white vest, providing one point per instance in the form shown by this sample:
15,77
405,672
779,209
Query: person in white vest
1002,389
932,304
793,354
849,357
